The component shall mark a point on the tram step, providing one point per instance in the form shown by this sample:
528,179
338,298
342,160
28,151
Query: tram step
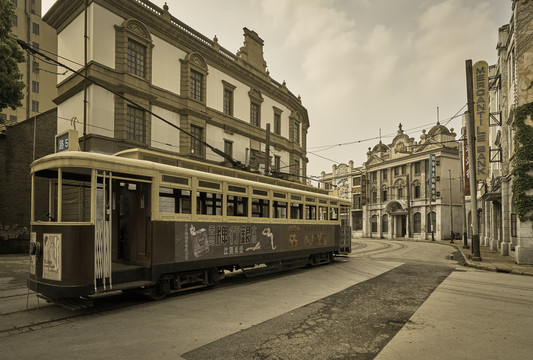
126,286
77,303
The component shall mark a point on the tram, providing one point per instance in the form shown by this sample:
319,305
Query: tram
160,223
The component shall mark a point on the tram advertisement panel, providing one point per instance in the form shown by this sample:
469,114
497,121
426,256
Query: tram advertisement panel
215,240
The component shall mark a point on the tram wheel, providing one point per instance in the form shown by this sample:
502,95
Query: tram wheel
158,291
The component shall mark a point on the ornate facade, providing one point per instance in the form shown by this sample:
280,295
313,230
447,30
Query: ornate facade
398,187
390,192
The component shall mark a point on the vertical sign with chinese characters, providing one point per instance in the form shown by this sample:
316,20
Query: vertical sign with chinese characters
466,165
363,190
480,72
432,178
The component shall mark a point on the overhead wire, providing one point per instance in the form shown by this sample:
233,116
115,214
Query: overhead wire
225,156
50,61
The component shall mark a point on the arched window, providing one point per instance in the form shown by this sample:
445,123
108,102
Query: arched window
374,223
431,222
385,223
384,193
416,189
417,223
399,185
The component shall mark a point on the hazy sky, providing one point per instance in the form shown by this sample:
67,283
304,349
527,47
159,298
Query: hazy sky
359,65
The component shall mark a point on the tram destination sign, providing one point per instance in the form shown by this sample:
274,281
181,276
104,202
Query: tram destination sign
66,141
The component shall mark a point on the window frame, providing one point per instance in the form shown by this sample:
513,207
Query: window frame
137,32
228,102
131,119
196,85
197,148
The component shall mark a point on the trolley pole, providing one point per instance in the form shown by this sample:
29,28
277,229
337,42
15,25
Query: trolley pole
476,254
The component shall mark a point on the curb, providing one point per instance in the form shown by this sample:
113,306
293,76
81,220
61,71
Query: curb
491,267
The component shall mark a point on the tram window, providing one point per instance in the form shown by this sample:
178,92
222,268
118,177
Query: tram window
208,203
310,212
322,213
297,211
237,205
177,201
175,179
279,209
76,201
260,192
333,213
260,208
43,210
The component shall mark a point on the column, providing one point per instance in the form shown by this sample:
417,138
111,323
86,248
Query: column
506,219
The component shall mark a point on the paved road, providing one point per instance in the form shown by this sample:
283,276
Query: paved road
389,299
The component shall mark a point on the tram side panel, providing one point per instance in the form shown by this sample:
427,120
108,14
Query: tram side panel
219,244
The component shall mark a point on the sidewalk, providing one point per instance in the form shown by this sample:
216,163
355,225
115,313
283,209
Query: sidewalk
492,260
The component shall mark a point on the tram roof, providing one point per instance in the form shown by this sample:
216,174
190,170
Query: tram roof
146,163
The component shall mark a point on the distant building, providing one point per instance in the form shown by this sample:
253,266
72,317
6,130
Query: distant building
348,181
390,192
38,75
398,187
170,70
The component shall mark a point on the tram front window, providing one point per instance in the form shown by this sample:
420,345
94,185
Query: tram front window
72,192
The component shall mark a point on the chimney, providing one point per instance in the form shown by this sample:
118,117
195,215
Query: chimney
252,51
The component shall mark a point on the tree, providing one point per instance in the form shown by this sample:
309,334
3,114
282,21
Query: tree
11,84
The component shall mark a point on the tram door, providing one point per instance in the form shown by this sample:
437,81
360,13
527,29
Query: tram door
132,216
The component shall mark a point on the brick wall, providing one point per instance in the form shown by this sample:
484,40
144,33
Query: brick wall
16,155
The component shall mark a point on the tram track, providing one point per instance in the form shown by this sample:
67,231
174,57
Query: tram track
386,246
24,312
45,315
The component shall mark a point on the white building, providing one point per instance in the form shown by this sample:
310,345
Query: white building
398,187
169,70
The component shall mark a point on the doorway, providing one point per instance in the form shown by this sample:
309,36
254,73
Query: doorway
132,235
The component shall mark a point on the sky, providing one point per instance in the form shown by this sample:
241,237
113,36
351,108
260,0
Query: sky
361,67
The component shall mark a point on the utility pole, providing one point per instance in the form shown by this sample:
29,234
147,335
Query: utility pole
451,206
267,150
476,254
465,237
409,234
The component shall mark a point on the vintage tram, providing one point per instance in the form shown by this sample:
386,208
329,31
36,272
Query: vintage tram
140,219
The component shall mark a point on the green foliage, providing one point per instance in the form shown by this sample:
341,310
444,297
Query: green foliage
523,163
11,84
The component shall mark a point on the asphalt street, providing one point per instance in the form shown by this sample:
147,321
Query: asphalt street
388,300
352,324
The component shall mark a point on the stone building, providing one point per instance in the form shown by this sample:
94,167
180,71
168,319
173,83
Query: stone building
39,76
506,196
154,67
398,187
350,184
